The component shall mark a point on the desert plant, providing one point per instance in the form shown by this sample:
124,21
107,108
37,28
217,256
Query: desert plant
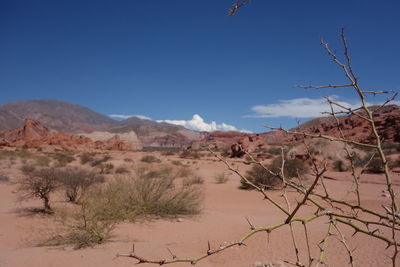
4,178
149,159
39,184
63,158
105,168
375,166
339,165
258,176
190,154
99,161
27,169
188,181
121,170
87,157
76,181
221,178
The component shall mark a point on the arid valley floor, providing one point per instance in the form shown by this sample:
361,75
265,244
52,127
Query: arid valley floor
223,219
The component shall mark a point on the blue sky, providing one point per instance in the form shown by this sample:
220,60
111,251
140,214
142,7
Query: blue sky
170,60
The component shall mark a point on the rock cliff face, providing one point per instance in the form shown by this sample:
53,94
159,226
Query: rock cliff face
387,121
122,141
36,135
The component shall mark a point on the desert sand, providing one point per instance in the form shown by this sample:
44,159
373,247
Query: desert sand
223,219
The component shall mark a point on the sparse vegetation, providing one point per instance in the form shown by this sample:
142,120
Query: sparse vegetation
339,166
190,154
63,158
260,177
4,178
76,181
87,157
121,170
188,181
39,184
221,178
150,159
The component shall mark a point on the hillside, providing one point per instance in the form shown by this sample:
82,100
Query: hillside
55,114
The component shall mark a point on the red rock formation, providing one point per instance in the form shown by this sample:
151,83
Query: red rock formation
36,135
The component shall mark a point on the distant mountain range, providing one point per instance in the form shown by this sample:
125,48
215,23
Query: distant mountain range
76,119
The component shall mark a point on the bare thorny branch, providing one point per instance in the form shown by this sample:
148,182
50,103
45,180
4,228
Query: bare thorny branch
339,212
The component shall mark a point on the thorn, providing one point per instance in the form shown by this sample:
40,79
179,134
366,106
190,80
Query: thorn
355,232
172,254
241,243
251,226
209,251
162,262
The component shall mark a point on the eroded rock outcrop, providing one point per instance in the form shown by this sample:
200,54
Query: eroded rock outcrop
36,135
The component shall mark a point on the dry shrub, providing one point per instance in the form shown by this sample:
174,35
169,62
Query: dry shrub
184,172
76,181
339,166
176,162
100,161
375,166
190,154
121,170
106,168
87,157
63,158
39,184
221,178
188,181
261,177
4,178
150,159
148,193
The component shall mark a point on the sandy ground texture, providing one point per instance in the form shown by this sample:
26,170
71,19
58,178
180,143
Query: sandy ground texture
223,220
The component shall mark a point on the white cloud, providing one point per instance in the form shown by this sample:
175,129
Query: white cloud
121,116
197,123
299,108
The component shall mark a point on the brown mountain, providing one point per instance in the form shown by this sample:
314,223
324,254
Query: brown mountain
55,114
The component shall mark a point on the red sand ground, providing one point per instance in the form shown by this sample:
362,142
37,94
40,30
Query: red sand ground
222,220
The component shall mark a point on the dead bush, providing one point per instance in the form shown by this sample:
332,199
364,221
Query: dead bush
150,159
261,177
39,183
87,157
339,166
76,181
221,178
